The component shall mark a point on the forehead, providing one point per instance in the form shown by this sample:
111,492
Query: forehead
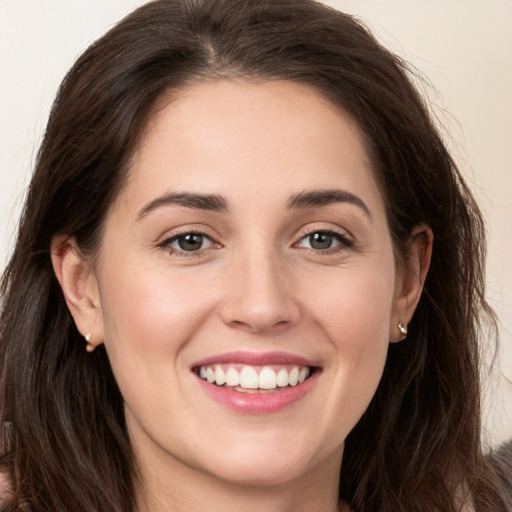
222,136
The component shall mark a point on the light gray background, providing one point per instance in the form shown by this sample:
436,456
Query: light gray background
463,46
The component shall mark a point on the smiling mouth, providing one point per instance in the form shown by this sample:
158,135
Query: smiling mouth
254,379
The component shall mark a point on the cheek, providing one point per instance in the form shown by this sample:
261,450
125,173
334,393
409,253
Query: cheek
354,314
149,315
362,330
355,308
149,318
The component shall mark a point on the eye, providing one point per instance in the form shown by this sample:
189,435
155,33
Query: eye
324,241
188,242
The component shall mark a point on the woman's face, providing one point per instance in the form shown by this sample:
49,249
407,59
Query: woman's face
249,245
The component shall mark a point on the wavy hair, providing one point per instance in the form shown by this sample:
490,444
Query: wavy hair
64,443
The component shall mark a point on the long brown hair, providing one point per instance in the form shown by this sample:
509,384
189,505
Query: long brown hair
64,442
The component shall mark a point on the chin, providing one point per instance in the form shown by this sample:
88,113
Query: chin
265,462
261,473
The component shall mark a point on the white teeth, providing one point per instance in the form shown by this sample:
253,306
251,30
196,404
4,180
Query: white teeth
303,375
268,378
220,376
293,377
248,377
210,375
232,377
282,378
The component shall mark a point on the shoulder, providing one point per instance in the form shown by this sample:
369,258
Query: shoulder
500,460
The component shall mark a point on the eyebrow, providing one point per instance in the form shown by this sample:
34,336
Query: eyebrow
312,198
211,202
218,203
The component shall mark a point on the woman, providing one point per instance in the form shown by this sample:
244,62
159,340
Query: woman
226,293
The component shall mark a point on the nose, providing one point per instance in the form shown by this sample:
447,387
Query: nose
259,296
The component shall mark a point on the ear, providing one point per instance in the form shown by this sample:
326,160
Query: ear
80,288
410,278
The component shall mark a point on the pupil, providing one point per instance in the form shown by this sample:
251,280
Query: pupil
320,240
190,242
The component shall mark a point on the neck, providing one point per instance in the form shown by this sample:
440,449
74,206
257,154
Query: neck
186,489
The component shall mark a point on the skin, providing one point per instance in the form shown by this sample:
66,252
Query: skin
256,285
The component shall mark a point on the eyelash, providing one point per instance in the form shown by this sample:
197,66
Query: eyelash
167,244
343,243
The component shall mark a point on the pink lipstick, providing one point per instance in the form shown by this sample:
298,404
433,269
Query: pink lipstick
256,383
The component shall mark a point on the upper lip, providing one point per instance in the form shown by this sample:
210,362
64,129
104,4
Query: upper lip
256,359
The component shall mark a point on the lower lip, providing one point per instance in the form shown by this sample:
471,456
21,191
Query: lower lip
258,403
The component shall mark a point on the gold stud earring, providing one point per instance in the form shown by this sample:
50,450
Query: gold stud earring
90,347
402,328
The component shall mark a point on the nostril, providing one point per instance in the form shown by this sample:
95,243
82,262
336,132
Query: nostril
282,323
269,317
260,299
260,325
